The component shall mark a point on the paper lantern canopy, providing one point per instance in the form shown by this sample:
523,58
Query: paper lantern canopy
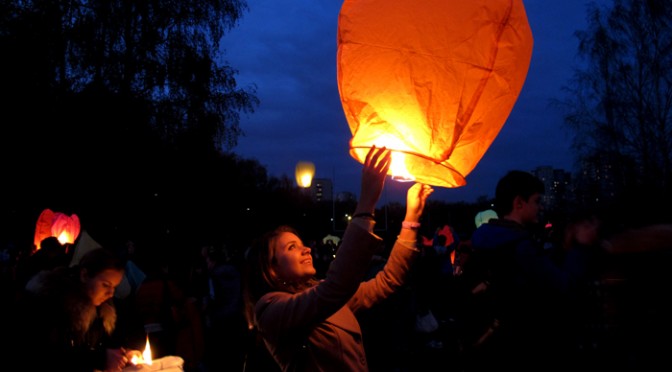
305,171
65,228
433,80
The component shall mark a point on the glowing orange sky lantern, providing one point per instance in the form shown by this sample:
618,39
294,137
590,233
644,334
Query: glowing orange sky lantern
65,228
434,80
305,171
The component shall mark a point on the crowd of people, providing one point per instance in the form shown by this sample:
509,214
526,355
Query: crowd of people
517,293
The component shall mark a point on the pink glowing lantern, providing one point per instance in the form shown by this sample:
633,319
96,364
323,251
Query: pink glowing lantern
64,227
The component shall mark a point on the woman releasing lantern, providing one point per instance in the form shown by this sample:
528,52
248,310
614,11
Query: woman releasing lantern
433,80
308,324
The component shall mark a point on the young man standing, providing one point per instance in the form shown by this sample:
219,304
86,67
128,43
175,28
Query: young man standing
520,282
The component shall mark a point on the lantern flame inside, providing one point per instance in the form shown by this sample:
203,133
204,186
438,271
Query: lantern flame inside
398,168
306,180
65,238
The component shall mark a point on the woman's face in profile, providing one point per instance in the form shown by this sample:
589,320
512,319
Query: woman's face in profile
293,261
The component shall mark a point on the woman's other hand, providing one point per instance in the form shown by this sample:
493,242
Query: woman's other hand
415,201
376,166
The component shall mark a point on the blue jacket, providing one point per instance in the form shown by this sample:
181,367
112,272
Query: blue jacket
514,252
529,291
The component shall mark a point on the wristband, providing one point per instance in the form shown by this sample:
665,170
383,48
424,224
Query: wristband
410,225
366,215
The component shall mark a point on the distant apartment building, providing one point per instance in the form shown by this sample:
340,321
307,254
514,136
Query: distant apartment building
597,180
557,183
322,189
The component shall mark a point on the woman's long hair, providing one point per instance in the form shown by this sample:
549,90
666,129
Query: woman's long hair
257,277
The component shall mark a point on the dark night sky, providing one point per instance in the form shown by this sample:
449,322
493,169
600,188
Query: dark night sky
288,49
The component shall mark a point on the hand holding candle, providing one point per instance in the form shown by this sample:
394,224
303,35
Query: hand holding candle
119,358
132,356
142,358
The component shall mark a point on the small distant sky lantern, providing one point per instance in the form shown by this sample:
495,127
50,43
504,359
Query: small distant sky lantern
305,171
433,80
64,227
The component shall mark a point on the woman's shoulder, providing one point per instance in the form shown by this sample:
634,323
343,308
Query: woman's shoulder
273,296
294,293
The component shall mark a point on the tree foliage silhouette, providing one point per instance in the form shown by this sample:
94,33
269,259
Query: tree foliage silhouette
110,94
619,103
162,57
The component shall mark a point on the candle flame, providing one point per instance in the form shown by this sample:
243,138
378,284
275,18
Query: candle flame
146,356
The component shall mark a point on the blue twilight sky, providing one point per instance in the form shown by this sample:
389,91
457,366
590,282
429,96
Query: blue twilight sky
288,50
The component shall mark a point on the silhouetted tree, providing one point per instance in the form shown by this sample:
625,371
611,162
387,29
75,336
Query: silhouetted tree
620,101
162,56
108,102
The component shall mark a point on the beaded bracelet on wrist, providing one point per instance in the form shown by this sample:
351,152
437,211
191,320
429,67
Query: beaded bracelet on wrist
410,225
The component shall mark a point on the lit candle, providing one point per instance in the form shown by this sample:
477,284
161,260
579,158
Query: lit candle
146,355
147,364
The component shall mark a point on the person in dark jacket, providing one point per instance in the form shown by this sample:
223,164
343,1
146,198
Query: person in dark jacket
522,283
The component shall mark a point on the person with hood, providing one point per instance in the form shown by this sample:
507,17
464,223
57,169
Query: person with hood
70,318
